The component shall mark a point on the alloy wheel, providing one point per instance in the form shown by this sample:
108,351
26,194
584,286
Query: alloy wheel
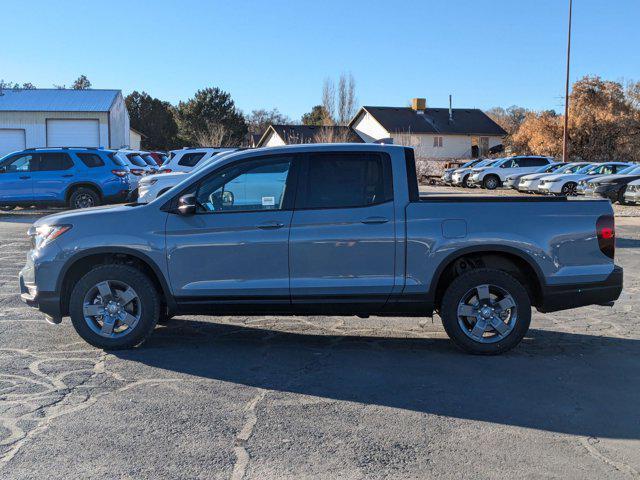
112,309
570,189
487,313
84,200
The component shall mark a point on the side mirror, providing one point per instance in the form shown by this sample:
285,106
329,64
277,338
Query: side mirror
187,204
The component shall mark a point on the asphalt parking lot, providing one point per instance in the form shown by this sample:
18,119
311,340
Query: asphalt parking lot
322,397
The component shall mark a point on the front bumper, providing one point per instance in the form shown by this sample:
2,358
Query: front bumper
633,197
47,302
474,180
564,297
608,192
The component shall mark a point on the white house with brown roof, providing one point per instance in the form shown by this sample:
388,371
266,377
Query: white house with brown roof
433,132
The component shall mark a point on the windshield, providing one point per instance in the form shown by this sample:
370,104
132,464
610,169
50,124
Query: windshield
117,160
632,169
484,163
136,160
550,168
587,170
471,163
149,159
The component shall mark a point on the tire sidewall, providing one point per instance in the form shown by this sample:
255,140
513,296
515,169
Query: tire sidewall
488,179
460,286
83,191
139,282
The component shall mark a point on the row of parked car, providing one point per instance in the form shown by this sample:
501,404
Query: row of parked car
87,177
616,181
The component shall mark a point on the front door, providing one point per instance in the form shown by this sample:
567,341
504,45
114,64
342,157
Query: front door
235,247
342,242
16,184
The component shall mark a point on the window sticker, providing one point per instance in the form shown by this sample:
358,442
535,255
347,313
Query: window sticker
268,201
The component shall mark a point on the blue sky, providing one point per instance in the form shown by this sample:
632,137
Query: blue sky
276,53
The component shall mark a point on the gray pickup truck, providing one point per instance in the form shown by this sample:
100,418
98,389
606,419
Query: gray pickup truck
321,229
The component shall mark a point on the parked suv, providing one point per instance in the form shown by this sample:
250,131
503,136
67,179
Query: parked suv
76,177
338,229
186,159
460,176
494,176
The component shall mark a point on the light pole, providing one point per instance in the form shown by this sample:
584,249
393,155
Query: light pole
565,137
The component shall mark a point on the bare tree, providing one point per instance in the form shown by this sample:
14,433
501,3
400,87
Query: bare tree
346,99
215,135
329,100
332,134
341,103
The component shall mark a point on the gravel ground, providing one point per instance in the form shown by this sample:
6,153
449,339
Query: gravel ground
320,397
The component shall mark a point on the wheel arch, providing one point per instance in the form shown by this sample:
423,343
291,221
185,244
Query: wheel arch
82,262
82,184
502,257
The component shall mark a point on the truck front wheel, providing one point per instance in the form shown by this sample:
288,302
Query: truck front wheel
486,311
114,307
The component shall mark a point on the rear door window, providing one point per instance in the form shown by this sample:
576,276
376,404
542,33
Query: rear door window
190,159
91,160
54,161
345,180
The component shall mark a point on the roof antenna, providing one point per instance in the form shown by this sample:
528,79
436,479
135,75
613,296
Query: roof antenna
450,111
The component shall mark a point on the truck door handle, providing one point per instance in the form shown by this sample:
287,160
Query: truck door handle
67,175
374,220
270,225
25,177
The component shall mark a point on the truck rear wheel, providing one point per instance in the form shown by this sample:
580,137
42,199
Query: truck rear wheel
486,311
114,307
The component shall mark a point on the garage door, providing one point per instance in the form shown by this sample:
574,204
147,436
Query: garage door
73,133
11,140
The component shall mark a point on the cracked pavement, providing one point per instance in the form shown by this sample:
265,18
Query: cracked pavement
320,397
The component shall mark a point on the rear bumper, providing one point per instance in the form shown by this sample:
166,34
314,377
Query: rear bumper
564,297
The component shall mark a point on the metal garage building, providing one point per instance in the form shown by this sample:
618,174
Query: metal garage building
62,118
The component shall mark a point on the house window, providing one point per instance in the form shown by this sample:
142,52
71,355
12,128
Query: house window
437,142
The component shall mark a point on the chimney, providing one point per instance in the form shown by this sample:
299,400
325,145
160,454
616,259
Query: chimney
450,111
419,104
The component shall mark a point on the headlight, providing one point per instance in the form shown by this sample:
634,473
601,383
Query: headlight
44,234
149,181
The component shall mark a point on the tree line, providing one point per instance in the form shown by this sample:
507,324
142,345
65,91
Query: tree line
604,124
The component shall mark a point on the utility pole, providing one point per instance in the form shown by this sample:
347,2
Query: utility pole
565,137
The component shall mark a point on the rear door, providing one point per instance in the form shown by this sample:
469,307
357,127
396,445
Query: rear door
342,241
16,184
52,175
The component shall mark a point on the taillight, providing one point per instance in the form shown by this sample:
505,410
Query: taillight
119,173
606,230
137,171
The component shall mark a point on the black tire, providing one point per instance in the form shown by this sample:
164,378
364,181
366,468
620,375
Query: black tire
149,300
7,208
569,189
83,197
491,182
466,282
465,181
621,199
